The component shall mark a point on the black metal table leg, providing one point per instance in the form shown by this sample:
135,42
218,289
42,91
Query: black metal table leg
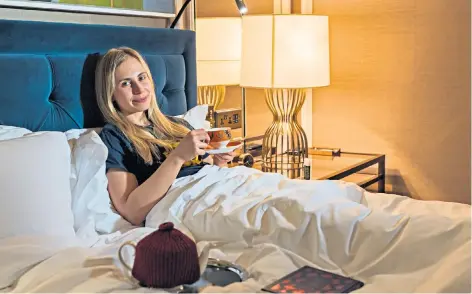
381,172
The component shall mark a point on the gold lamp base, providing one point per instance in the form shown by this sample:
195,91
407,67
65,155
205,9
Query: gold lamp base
284,146
211,96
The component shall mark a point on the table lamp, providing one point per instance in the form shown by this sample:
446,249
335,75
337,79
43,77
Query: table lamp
285,55
218,57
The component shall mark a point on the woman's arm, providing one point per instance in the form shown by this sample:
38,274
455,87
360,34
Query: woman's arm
134,202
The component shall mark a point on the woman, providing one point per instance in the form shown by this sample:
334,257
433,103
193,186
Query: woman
147,150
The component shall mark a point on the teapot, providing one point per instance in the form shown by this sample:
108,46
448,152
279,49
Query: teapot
166,258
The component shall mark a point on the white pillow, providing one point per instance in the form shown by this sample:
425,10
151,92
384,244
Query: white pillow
35,197
196,117
93,213
10,132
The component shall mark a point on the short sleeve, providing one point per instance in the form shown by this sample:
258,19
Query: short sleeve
116,149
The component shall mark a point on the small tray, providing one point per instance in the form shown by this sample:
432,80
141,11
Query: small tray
217,273
222,273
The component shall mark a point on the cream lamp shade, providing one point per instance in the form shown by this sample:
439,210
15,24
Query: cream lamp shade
285,55
218,51
285,51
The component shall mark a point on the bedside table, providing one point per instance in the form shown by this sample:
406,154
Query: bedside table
349,167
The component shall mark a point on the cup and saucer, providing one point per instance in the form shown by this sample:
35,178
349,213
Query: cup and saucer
221,141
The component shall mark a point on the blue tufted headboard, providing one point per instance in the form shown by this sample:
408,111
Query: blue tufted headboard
47,71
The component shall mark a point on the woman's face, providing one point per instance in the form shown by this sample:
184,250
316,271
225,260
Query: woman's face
133,87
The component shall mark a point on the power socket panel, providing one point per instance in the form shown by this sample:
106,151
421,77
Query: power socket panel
230,117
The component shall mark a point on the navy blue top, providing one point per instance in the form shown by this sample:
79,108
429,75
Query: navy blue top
122,155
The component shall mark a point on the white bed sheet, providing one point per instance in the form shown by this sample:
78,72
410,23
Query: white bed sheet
392,243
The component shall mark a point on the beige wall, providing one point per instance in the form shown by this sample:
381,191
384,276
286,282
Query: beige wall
401,85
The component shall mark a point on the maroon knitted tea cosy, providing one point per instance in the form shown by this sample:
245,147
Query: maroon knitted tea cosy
166,258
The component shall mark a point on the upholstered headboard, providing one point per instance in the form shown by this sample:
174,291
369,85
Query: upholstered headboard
47,71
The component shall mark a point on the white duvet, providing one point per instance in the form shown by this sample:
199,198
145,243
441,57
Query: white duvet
272,226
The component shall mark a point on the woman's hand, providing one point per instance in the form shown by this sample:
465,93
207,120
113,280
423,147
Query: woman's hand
192,144
222,159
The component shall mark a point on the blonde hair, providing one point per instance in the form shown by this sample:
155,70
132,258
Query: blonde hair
144,143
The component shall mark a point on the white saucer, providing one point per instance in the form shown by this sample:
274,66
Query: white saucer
223,150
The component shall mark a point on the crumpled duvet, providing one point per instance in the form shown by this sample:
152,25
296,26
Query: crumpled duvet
391,243
272,226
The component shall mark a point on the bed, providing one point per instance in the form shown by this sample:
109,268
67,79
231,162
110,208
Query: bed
59,233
